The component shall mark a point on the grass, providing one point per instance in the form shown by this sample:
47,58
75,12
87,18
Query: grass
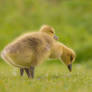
48,78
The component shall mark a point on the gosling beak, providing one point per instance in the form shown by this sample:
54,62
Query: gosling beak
55,37
70,67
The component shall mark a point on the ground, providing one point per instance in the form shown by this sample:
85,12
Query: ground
48,78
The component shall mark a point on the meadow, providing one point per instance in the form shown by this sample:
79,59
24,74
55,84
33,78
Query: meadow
48,78
72,20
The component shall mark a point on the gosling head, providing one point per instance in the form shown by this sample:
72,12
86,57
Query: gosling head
49,30
68,58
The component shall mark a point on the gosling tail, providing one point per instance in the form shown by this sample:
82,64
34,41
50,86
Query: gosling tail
4,55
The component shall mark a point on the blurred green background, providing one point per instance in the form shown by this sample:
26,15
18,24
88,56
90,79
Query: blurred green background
72,20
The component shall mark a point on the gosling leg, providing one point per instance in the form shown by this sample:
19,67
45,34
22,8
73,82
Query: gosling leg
21,71
28,72
32,71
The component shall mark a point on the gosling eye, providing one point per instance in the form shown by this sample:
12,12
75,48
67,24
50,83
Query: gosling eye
71,58
51,32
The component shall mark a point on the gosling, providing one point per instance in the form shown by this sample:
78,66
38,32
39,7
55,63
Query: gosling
30,50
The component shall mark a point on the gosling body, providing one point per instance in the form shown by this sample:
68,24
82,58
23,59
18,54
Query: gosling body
30,50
